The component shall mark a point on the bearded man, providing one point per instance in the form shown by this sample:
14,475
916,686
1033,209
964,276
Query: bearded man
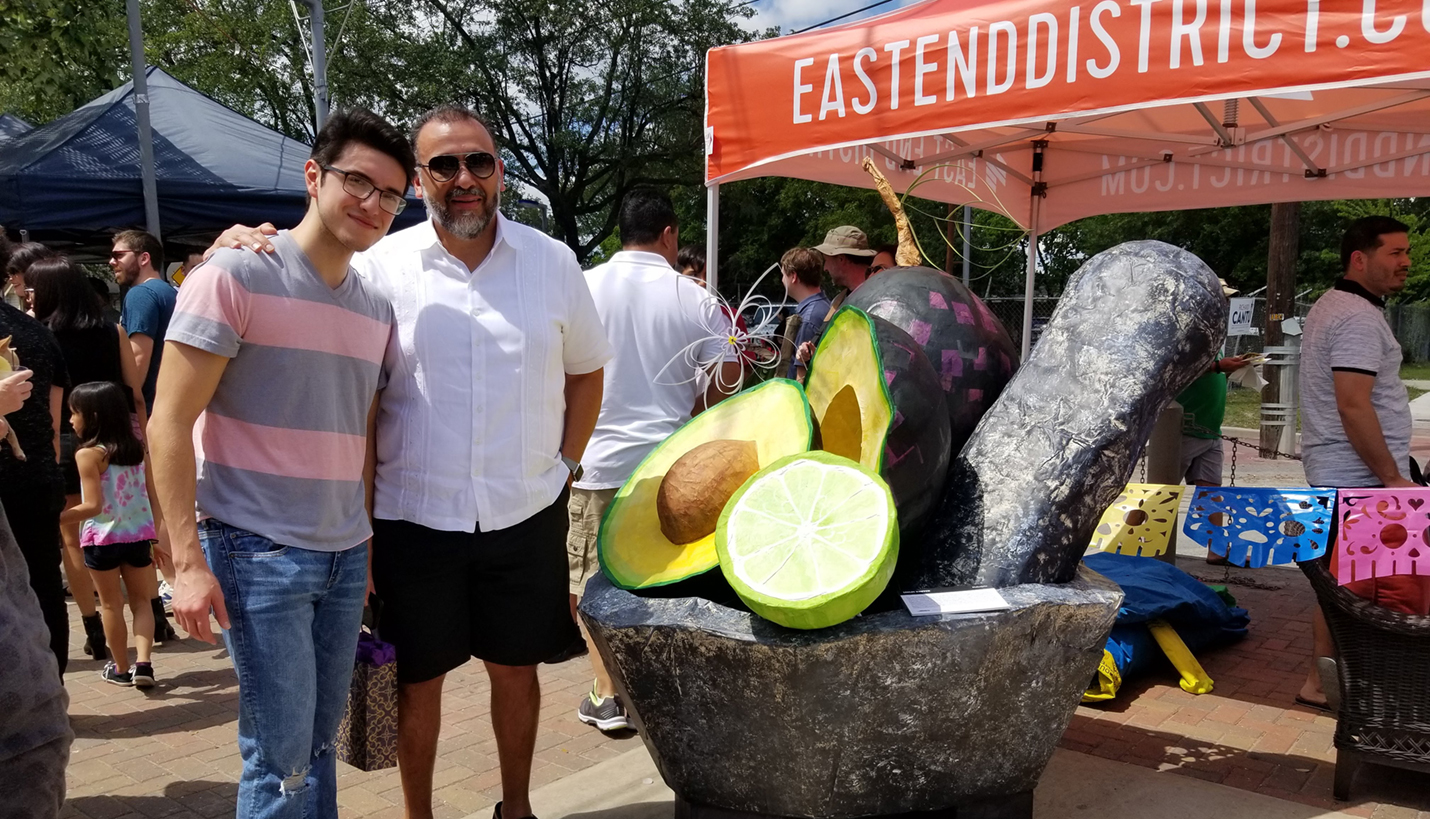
494,385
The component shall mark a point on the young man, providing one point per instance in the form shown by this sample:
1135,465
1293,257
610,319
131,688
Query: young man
136,259
495,388
273,363
653,315
799,270
1355,412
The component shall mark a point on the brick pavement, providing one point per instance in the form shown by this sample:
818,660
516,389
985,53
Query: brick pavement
1247,733
173,752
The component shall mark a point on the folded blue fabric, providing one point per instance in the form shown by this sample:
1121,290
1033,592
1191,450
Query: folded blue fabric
1154,590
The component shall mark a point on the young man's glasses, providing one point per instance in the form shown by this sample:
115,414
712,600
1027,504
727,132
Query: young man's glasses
118,253
361,188
443,168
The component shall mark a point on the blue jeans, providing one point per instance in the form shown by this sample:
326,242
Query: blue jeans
294,616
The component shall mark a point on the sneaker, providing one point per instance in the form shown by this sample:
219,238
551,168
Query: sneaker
143,675
111,674
166,593
606,713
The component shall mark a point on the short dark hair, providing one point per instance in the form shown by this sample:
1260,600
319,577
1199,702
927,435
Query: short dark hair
692,256
365,128
144,242
645,214
1364,235
806,263
449,112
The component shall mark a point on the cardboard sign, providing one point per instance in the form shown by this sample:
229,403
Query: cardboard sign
1238,322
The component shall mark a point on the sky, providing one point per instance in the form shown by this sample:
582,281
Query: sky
797,14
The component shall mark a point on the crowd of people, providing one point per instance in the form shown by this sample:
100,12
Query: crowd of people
431,416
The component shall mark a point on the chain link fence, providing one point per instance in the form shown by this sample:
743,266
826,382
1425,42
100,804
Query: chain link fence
1411,325
1414,317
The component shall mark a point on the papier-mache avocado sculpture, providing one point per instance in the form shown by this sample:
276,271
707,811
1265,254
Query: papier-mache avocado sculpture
885,714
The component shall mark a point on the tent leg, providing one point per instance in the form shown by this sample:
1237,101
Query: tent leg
141,115
1030,279
712,238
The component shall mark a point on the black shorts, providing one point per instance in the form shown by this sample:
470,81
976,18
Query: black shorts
499,596
113,555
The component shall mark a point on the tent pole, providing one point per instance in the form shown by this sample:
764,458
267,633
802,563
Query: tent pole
1036,201
1029,281
712,238
320,63
141,115
967,241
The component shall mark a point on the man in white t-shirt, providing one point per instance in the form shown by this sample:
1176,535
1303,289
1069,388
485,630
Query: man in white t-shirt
669,335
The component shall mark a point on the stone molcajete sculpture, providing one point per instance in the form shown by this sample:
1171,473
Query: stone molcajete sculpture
886,714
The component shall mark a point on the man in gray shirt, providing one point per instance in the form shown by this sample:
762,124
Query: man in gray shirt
1355,411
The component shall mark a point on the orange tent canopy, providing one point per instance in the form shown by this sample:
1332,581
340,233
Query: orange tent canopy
1049,111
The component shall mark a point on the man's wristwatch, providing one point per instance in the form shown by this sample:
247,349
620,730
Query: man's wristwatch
574,466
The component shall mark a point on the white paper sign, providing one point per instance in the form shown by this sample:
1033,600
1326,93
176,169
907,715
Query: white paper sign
924,604
1238,323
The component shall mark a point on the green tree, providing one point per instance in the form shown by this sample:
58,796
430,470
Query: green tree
59,54
587,100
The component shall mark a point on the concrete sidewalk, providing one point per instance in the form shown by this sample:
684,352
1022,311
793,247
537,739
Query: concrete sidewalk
1074,785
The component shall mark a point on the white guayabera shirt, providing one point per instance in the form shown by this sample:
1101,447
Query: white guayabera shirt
469,427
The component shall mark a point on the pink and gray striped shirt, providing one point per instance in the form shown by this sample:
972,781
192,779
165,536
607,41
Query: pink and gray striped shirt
280,446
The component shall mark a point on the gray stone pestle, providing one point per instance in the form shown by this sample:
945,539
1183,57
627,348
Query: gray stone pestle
1135,326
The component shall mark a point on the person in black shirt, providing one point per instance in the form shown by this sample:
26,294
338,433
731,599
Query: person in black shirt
31,490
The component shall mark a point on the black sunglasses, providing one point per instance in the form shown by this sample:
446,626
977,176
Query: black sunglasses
443,168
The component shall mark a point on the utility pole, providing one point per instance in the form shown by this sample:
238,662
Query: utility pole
320,63
141,115
1280,305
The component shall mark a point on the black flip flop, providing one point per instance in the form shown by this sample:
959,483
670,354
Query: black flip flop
1318,706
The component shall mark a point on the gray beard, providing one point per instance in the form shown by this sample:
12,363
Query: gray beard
469,225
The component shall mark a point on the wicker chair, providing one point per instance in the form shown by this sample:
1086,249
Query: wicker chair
1384,665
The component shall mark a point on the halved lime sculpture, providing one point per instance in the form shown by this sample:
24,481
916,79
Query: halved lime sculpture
810,540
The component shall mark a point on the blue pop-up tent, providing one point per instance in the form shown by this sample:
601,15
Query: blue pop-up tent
77,179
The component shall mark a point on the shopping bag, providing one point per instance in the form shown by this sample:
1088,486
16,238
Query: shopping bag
367,737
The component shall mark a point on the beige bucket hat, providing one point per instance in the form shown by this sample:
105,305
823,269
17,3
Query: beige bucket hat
846,240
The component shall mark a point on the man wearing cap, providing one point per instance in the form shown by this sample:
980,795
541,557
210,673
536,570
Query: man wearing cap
846,259
847,256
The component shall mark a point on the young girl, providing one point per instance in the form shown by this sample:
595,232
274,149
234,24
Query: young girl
118,524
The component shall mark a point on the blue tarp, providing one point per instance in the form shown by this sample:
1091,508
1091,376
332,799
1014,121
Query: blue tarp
214,167
1154,590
